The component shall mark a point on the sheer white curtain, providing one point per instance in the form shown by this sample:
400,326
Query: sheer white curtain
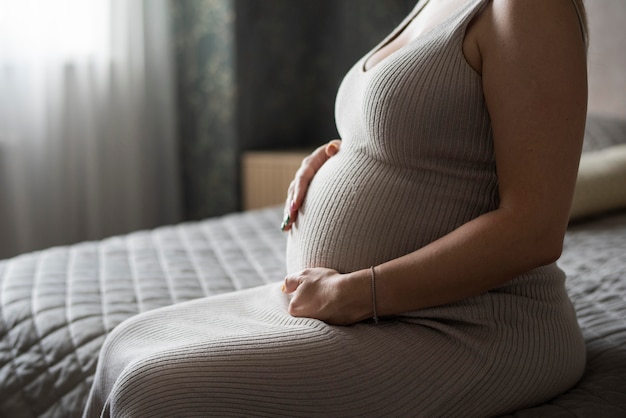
87,121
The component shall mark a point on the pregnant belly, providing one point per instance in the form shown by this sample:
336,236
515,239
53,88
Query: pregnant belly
360,212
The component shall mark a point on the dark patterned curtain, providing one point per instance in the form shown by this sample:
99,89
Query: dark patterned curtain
262,74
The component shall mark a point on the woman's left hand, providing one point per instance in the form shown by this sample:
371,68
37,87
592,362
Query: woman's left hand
325,294
299,186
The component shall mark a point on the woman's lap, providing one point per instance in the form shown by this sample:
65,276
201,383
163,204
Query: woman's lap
242,353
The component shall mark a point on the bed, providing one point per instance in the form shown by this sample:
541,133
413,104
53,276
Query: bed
58,305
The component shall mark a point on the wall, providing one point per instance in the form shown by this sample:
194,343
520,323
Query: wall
291,58
607,57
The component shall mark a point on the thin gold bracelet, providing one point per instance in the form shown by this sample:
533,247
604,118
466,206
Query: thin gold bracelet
374,295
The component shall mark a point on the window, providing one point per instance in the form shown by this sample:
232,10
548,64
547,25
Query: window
52,29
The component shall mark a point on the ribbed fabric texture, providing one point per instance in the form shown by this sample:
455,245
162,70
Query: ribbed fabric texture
416,159
416,162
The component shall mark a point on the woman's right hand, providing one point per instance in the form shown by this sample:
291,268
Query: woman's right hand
300,184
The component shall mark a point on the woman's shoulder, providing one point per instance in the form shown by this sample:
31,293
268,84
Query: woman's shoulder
523,27
528,22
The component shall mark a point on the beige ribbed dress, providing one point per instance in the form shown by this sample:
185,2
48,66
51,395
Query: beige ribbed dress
416,162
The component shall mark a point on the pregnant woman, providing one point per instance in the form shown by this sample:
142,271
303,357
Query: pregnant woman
421,256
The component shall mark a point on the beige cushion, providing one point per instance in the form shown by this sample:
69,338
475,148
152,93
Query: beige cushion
603,131
601,182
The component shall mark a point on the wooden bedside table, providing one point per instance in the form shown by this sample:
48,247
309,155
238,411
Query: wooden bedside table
266,176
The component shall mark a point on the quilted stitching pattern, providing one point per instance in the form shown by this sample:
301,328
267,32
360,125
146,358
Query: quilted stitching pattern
594,260
57,305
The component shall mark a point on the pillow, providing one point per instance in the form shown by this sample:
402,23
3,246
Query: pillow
601,182
603,132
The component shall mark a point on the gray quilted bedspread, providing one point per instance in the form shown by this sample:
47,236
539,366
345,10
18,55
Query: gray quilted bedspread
57,305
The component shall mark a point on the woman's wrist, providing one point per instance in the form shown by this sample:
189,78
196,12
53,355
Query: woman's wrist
357,290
